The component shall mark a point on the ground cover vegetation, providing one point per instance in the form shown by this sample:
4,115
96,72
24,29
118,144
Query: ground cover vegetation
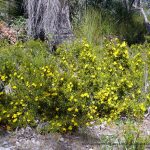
76,85
100,76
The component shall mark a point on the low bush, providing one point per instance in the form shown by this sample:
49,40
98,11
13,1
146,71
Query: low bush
75,85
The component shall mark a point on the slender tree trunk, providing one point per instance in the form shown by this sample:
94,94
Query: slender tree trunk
48,20
138,5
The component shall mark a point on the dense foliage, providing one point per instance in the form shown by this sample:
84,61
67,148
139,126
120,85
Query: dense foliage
96,18
10,9
98,79
75,85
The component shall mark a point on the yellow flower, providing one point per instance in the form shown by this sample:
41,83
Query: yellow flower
133,95
59,124
1,93
76,110
75,100
54,94
14,87
139,91
86,45
69,109
27,83
120,67
87,124
123,45
57,109
109,120
142,107
91,117
15,73
75,124
24,105
4,111
36,98
115,97
72,120
64,129
98,68
8,115
49,74
116,53
86,66
16,103
71,66
115,63
70,127
19,113
126,52
18,76
3,78
130,85
33,84
14,120
14,116
92,76
85,95
83,106
56,116
93,59
71,97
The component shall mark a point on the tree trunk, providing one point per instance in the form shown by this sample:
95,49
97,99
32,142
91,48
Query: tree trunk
138,5
49,20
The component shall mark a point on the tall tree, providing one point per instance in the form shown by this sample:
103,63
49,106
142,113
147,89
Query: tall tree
48,19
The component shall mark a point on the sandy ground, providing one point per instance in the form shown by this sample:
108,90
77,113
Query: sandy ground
96,137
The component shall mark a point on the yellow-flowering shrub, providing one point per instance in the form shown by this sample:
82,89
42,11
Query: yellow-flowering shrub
121,93
75,85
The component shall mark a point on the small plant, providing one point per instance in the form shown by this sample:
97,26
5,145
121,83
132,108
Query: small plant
19,25
134,140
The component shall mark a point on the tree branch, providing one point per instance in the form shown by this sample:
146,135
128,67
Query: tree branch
137,4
